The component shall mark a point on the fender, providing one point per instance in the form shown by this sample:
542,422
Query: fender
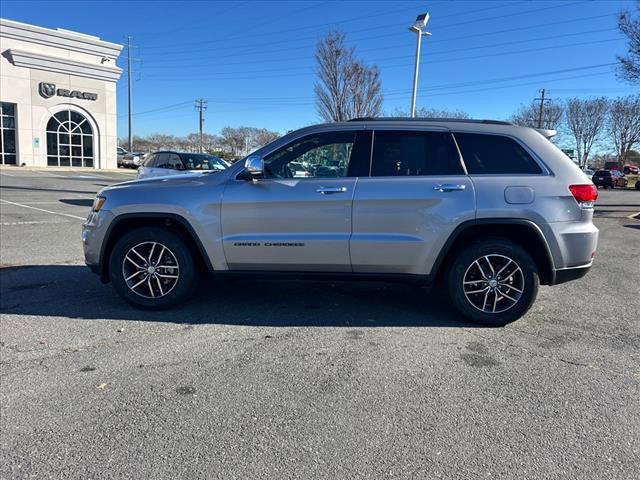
460,229
152,215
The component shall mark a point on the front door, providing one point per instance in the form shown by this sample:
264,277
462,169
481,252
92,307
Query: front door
284,223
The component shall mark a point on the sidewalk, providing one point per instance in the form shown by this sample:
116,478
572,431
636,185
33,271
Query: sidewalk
14,168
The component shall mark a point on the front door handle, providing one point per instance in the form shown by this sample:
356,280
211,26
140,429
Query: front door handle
331,190
449,187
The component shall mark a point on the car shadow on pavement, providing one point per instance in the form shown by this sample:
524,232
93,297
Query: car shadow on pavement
73,291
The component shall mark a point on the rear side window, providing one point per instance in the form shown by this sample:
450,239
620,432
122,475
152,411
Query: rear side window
494,154
407,153
151,161
170,161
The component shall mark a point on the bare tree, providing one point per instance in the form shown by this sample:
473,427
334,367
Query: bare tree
431,113
586,119
263,136
624,125
527,115
629,65
346,88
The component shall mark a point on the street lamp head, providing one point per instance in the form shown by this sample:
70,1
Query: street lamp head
421,22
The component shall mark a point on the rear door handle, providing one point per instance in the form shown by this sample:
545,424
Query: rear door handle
449,187
331,190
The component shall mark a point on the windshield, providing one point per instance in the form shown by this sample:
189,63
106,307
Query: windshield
199,161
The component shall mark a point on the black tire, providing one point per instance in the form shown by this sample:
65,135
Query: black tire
179,254
498,250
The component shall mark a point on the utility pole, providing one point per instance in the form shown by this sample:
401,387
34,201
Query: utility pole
201,106
417,27
129,83
541,109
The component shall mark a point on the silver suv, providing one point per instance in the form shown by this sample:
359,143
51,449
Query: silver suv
488,209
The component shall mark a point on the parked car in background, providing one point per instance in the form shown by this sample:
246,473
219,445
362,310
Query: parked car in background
298,170
159,164
121,153
485,208
630,170
609,179
620,180
134,159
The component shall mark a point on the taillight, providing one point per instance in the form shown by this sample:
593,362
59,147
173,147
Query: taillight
585,195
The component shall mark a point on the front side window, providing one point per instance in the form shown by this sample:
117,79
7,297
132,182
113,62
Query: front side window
322,155
410,153
494,154
199,161
69,140
8,134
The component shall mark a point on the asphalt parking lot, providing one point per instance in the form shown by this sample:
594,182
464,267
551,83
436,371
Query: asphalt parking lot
283,379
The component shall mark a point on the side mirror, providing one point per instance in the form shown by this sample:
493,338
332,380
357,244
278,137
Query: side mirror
254,166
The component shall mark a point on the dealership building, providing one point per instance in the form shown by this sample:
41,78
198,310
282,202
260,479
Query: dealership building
58,97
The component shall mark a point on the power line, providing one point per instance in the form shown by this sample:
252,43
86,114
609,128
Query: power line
572,21
431,52
269,102
297,29
402,65
379,27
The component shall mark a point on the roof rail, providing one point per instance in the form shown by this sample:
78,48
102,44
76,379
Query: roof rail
428,119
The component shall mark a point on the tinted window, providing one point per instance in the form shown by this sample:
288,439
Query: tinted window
170,161
397,153
199,161
494,154
150,161
330,154
603,173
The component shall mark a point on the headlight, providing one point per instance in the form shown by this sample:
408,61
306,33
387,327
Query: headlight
98,202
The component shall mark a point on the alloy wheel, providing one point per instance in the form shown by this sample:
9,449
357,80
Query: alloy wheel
493,283
150,270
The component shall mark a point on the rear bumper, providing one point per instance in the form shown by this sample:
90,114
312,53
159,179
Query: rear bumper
564,275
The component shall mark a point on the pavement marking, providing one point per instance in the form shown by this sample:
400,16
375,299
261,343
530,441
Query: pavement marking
57,202
27,222
42,209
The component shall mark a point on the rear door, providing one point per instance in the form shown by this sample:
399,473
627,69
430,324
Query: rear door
168,164
418,192
284,223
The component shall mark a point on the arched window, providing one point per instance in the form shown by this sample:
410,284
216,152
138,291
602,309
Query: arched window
69,140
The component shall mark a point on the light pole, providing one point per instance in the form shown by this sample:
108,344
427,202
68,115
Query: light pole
417,27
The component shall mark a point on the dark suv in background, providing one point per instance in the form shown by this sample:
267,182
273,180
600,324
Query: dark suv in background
609,179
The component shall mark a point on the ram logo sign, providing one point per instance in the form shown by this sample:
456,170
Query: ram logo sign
48,90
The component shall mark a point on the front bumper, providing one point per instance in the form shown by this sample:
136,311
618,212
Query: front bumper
94,235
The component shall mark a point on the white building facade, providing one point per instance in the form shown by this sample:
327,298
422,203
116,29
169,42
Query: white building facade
57,98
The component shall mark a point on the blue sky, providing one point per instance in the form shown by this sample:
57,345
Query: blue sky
253,60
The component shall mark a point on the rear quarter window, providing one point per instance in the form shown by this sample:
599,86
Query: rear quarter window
495,154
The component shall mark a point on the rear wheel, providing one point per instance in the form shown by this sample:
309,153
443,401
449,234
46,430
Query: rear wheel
493,282
152,268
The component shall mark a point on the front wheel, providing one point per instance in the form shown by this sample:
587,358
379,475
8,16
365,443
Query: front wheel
493,282
152,268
